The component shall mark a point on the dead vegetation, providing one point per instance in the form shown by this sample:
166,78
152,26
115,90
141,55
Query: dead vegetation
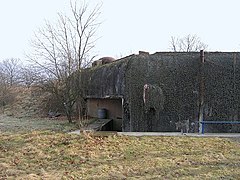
26,102
48,155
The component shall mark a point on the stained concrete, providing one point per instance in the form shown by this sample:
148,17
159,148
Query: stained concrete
178,134
175,77
222,135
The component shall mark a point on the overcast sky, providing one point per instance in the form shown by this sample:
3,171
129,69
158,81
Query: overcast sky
128,25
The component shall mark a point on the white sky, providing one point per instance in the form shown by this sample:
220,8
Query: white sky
128,25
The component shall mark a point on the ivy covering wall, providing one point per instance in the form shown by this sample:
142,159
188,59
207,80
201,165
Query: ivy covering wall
161,89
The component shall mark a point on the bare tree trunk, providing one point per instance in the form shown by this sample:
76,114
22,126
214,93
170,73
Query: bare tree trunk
65,48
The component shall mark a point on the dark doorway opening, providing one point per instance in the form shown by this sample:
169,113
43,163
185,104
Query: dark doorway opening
113,107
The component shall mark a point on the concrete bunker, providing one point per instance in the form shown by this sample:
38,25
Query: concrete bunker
113,107
154,92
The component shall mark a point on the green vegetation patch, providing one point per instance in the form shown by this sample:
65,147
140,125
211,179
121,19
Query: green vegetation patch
49,155
12,124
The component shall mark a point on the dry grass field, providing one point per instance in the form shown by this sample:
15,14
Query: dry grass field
41,149
54,155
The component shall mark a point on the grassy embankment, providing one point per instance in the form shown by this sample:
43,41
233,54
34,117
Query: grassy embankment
51,155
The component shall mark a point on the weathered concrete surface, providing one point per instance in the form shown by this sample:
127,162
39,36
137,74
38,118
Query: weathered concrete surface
175,78
224,135
75,132
221,135
113,106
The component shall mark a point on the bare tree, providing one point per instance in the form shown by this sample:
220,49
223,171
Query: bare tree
10,68
65,47
3,89
28,75
189,43
8,77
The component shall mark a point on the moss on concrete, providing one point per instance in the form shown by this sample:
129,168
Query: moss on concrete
175,77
